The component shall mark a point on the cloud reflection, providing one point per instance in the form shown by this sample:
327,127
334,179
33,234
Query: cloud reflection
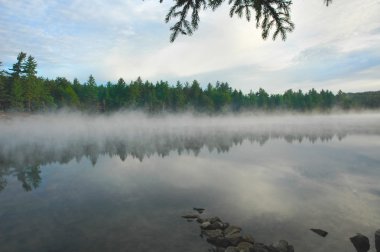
27,143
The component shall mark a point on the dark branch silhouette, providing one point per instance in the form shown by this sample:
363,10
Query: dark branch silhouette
269,15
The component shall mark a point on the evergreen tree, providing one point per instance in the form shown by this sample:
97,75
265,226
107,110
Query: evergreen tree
3,91
31,90
91,94
17,95
3,94
16,69
15,87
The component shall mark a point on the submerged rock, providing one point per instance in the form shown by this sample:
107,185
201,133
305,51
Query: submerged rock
190,216
231,249
234,239
214,219
248,238
212,233
232,230
215,225
320,232
219,241
228,238
282,246
199,210
377,240
360,242
205,224
245,246
259,247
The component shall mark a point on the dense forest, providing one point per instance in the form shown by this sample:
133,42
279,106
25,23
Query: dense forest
22,90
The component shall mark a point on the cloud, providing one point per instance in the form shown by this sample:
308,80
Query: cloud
112,39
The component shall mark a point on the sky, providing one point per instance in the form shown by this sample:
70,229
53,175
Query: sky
335,47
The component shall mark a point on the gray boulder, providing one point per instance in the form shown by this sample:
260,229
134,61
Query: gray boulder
231,249
259,247
377,240
234,239
205,224
248,238
190,216
198,209
215,225
213,219
218,241
245,247
212,233
360,242
232,230
282,246
320,232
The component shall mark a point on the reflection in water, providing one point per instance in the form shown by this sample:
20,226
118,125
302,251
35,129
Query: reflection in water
23,161
29,176
272,189
27,143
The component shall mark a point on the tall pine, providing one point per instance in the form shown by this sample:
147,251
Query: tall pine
31,89
15,87
3,91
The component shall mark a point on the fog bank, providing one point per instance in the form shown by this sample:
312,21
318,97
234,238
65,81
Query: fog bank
64,136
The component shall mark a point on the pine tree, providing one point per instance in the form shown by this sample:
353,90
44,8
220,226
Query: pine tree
29,68
31,90
3,94
15,87
17,67
91,93
3,91
17,95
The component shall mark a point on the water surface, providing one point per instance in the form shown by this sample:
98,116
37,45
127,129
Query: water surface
122,183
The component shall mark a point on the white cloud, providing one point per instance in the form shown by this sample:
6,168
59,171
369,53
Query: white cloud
113,39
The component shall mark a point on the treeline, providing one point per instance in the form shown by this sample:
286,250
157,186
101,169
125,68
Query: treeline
22,90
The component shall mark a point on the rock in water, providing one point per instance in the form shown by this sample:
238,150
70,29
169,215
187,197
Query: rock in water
360,242
377,240
205,224
259,247
320,232
282,246
190,216
232,230
199,210
245,246
248,238
231,249
213,233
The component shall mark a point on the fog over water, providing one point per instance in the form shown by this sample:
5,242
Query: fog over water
61,137
73,182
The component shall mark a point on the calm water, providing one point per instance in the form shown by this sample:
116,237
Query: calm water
126,192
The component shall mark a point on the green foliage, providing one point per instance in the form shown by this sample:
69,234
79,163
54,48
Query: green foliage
29,177
269,14
27,92
3,94
16,70
29,68
17,95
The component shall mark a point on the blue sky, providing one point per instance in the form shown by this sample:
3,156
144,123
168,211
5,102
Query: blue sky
331,48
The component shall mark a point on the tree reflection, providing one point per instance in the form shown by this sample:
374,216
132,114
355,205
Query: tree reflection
29,176
24,162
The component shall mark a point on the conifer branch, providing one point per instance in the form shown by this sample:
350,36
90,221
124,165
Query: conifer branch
269,14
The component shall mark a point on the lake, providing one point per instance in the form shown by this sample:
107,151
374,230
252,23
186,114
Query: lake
72,182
